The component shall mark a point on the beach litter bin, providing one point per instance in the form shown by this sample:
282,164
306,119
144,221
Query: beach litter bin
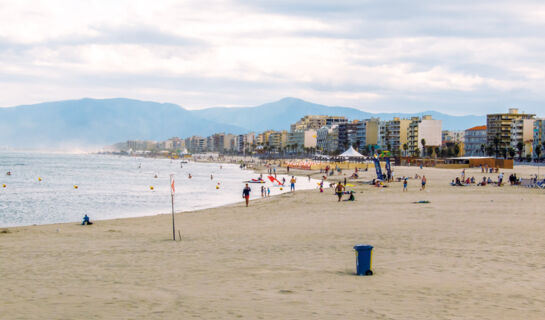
364,259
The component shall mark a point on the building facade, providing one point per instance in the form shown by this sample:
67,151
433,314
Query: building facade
474,139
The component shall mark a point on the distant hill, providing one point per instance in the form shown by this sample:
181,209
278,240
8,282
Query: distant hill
280,114
92,122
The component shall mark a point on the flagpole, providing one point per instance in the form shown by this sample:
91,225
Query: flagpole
172,201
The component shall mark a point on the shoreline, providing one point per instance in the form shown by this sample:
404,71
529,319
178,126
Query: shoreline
260,169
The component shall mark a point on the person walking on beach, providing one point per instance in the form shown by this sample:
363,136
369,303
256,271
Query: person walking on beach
262,191
292,183
246,194
424,180
339,190
405,185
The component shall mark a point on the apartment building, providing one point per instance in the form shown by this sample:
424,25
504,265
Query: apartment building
499,126
315,122
474,138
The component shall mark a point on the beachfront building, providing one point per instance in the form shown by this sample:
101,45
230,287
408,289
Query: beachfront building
474,139
539,138
522,135
245,142
396,135
452,136
302,139
426,129
348,134
278,140
196,144
140,145
332,140
315,122
368,134
499,126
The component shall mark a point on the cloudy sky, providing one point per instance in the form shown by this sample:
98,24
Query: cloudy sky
458,57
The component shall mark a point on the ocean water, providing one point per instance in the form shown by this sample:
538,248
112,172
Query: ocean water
114,187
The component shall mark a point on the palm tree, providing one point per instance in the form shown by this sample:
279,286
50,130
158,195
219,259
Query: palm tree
520,148
423,141
538,152
497,144
483,148
457,149
405,148
512,152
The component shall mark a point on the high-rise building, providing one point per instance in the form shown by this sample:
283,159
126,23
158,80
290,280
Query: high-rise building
539,138
522,132
426,129
474,139
316,122
396,134
348,134
278,139
499,126
368,133
300,139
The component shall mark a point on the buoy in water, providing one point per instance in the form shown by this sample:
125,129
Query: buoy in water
281,188
217,187
75,187
3,186
151,187
39,179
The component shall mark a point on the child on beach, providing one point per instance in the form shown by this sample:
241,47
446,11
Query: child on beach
268,192
292,183
246,194
424,180
405,185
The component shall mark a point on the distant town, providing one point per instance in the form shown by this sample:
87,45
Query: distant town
510,135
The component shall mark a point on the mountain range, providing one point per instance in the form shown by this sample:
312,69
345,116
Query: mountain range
99,122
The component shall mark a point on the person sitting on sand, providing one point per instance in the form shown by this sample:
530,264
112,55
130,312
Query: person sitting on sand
86,221
351,198
339,190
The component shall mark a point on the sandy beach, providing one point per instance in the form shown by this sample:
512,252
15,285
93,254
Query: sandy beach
471,253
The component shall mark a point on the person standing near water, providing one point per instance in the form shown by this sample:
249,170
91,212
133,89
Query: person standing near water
405,185
246,194
424,180
292,183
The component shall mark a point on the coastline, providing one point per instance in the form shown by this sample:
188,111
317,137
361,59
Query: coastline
472,252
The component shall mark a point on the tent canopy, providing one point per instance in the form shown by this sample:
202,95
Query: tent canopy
351,153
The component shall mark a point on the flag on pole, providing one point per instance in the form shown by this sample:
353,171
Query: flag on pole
172,187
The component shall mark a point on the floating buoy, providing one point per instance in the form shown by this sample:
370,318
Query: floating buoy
217,187
281,188
151,187
39,179
3,186
75,187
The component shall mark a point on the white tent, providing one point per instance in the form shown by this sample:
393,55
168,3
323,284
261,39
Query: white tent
351,153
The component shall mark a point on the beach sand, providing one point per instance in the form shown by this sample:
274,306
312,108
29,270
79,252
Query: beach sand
472,253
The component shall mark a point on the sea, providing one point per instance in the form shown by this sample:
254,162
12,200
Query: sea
47,188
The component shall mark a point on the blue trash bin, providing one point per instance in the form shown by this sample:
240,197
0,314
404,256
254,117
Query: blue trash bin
364,259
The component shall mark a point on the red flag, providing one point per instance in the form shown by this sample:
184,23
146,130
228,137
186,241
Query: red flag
172,188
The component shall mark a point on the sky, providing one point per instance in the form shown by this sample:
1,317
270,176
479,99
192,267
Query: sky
457,57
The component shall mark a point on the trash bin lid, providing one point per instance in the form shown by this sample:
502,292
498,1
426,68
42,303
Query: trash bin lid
362,247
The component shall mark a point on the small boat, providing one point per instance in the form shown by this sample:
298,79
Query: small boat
255,181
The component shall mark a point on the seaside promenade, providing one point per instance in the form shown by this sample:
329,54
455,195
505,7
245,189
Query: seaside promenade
471,253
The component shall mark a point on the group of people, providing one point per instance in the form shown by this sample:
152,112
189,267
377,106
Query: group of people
265,191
